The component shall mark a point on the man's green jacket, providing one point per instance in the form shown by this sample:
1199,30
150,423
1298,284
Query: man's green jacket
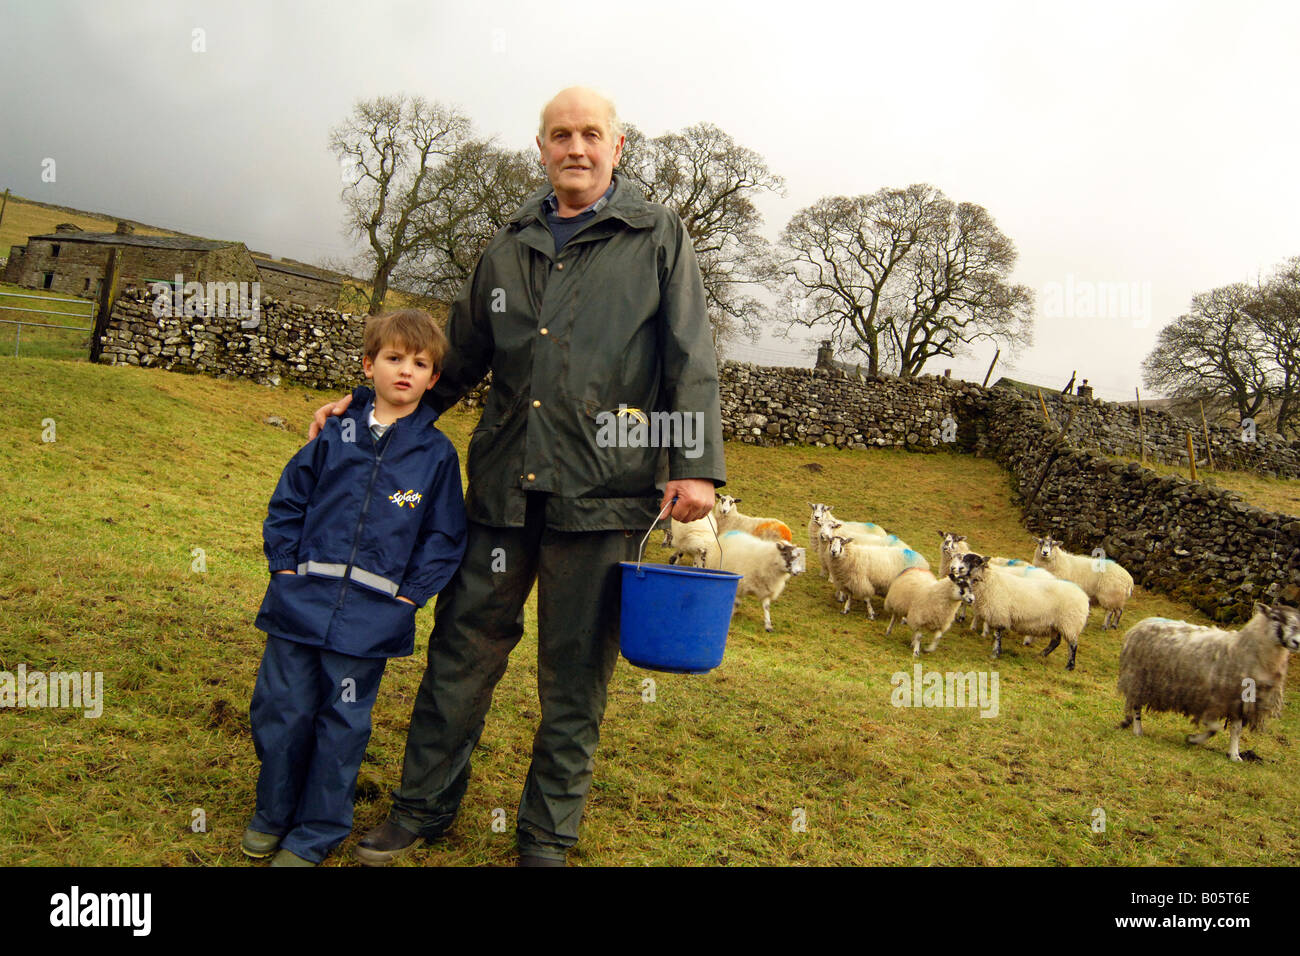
604,377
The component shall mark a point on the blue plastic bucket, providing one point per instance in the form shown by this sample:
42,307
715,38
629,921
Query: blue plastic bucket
676,618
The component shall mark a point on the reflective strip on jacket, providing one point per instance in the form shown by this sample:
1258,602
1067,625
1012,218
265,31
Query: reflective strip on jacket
362,523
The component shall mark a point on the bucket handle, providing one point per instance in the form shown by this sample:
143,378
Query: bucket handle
713,526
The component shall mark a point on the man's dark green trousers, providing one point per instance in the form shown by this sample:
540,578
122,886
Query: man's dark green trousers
478,621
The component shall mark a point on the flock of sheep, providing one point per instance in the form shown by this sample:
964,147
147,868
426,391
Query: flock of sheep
1206,673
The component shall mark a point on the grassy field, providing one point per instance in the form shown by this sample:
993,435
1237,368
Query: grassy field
32,342
99,573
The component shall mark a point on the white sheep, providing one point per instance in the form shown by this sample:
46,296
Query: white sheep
864,570
953,545
874,535
730,519
698,539
1207,673
765,566
926,604
1104,581
1017,567
815,545
1028,605
823,524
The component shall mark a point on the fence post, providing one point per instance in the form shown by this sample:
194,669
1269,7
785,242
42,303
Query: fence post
1209,453
996,353
107,296
4,206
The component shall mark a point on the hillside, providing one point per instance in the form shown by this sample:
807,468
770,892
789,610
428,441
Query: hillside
99,574
26,217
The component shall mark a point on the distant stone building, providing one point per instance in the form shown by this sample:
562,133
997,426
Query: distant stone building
72,262
295,282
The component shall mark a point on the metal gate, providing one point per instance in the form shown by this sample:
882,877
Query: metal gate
5,309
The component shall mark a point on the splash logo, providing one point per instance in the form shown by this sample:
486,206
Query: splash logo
409,497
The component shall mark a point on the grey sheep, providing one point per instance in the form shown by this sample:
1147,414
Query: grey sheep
1207,673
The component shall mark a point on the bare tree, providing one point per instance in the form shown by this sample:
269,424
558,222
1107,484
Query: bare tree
1216,349
953,290
472,195
838,255
389,148
709,180
1278,315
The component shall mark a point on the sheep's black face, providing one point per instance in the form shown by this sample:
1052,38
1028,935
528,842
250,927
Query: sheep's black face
1286,620
963,593
962,565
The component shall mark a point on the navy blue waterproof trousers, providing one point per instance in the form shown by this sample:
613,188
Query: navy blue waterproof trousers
311,722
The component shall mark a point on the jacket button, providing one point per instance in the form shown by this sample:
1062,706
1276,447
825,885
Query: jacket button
536,403
559,265
545,331
531,476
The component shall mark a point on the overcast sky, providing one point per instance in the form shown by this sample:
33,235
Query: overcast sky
1152,145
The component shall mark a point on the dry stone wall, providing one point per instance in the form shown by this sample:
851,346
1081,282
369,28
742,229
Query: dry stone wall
316,347
1199,544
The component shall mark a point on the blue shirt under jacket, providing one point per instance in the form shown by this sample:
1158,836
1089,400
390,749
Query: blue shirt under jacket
363,522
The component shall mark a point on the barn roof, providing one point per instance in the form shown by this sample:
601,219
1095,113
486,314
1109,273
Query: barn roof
293,268
149,242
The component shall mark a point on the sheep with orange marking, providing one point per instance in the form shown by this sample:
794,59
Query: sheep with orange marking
730,519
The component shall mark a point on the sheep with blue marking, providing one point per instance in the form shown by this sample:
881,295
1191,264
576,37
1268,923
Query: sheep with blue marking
1209,674
1105,581
862,571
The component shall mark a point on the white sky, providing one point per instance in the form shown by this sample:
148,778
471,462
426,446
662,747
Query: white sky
1149,144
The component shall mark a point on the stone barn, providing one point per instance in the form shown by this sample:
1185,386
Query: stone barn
72,261
298,283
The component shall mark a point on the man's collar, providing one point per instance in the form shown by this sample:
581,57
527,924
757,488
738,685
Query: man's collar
551,205
627,203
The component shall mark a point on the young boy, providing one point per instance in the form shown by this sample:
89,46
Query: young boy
366,524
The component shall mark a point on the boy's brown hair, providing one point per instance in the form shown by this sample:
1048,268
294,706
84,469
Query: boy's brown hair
411,330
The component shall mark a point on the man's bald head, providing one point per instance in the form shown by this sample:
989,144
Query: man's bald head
581,96
581,141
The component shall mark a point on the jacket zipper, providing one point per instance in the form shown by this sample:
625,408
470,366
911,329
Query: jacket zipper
365,506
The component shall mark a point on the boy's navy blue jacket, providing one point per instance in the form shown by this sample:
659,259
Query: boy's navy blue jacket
362,523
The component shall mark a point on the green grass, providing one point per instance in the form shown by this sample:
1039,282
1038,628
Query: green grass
100,529
32,342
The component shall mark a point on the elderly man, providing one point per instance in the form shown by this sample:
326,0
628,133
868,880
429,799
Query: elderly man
587,305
